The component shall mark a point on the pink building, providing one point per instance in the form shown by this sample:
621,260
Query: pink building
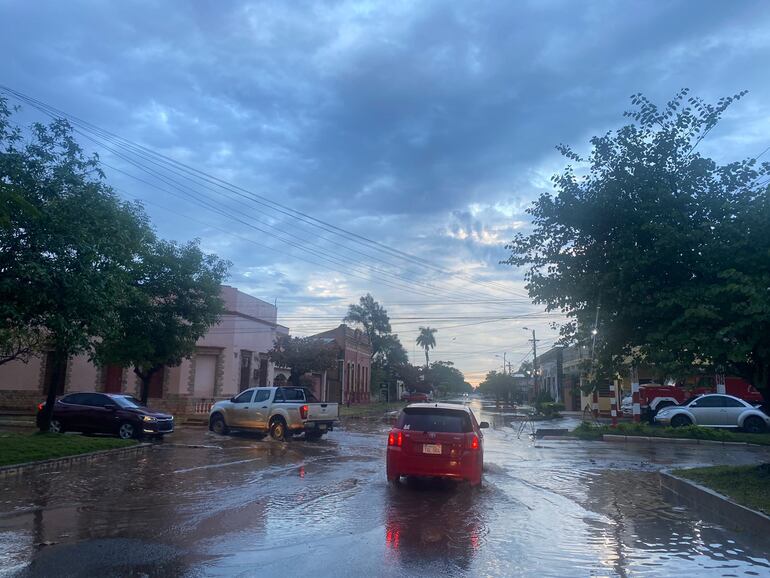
229,358
350,380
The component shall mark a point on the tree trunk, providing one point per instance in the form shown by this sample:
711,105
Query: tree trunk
59,359
427,360
145,377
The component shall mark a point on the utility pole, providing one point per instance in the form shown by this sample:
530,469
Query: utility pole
504,364
534,360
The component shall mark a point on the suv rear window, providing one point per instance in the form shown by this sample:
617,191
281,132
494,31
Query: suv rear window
435,420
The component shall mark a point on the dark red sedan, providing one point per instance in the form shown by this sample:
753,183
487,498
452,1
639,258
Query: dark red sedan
436,440
121,415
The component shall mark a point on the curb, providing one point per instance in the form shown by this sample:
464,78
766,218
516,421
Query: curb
711,503
683,441
67,461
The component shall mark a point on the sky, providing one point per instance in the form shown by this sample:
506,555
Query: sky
379,147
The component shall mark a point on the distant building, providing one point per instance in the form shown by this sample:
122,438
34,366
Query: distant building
559,373
350,380
231,357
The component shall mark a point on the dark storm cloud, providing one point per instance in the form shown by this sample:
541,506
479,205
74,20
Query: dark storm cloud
426,125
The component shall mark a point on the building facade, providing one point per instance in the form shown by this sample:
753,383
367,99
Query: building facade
350,380
231,357
559,373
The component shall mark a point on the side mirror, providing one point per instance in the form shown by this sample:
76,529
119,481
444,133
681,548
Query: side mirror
484,425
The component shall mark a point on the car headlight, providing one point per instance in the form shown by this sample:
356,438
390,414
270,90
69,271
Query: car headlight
148,418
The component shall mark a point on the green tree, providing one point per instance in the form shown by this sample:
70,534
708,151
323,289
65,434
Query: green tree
389,358
667,247
500,385
373,318
66,243
172,300
445,377
427,340
302,355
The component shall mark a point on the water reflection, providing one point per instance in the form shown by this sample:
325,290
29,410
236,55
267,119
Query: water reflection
434,523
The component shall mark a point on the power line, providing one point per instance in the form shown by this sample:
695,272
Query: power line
52,111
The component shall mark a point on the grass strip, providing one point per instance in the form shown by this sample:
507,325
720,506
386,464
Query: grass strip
589,431
747,485
19,448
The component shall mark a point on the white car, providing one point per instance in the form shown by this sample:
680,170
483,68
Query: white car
716,410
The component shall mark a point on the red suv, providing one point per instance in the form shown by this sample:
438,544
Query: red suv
436,440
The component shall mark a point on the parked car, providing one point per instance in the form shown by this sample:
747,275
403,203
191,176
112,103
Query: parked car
109,413
436,440
415,397
280,411
654,397
715,410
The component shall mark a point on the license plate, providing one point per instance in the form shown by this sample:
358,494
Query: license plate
431,449
321,426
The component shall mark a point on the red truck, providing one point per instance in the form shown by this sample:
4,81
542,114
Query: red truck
653,396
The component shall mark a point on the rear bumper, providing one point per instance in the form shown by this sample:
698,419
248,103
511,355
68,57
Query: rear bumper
315,426
467,467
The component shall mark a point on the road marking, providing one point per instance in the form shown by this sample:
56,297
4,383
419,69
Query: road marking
215,466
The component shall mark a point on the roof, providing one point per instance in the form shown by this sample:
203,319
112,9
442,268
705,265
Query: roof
439,405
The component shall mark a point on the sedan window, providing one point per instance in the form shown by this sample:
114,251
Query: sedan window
709,401
94,400
435,420
730,402
74,398
127,401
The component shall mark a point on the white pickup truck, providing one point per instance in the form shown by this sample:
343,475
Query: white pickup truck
281,411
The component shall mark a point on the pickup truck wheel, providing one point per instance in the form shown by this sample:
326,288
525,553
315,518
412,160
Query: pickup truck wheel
754,424
278,430
218,425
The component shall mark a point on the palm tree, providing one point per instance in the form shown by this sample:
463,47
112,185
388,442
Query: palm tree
427,340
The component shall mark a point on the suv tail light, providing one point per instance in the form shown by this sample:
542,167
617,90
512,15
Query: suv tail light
474,442
40,406
396,439
303,412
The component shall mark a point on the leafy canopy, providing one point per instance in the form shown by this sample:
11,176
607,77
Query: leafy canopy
302,355
67,242
668,246
171,302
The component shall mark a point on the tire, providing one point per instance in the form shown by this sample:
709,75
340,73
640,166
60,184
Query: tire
56,426
680,421
127,431
218,425
754,424
278,430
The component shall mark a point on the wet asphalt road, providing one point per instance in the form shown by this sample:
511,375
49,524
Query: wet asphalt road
202,505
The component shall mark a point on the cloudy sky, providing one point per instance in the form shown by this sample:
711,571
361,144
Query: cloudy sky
422,130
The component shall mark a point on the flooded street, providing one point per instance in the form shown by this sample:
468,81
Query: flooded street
202,505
